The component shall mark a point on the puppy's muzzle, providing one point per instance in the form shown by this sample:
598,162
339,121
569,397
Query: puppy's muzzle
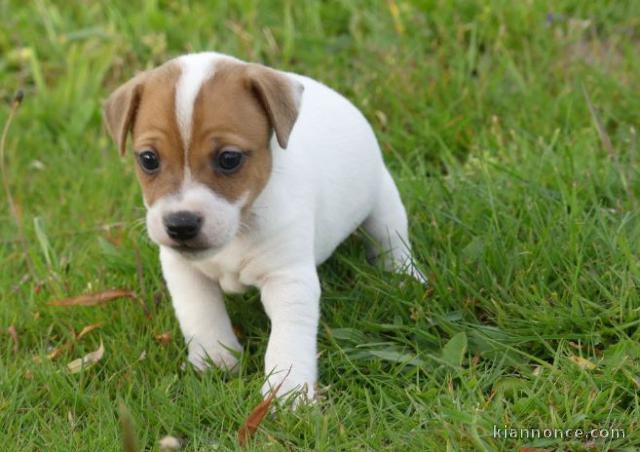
183,226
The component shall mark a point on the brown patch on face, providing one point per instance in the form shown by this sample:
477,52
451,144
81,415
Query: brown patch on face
238,107
155,127
227,113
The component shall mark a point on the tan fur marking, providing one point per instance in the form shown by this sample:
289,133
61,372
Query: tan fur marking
120,110
277,97
227,113
239,106
155,127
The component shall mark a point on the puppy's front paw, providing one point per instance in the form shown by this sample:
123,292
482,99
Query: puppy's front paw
290,387
222,357
417,275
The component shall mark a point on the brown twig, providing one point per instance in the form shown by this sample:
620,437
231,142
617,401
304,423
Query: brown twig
15,104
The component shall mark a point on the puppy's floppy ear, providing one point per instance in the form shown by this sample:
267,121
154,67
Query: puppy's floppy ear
120,110
280,97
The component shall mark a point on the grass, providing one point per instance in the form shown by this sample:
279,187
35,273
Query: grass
523,204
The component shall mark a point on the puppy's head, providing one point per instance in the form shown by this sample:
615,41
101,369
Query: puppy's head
201,127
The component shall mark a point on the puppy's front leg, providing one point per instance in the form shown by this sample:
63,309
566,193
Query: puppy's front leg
199,307
291,300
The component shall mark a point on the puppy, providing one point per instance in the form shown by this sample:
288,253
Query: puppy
252,177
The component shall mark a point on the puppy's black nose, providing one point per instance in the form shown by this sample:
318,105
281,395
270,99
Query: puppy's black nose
183,225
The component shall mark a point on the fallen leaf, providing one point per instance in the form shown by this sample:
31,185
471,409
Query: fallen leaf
257,415
95,298
56,352
581,362
87,329
14,337
169,443
87,361
163,338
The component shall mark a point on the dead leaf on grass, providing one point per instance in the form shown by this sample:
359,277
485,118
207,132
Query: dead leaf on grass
95,299
87,360
163,338
56,352
582,363
14,337
87,329
257,415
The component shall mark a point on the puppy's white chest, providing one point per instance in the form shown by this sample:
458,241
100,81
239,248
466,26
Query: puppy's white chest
229,269
230,283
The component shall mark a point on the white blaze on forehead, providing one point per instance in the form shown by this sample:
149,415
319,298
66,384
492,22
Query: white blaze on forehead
195,70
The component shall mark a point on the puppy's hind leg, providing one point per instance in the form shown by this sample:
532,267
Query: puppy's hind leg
387,226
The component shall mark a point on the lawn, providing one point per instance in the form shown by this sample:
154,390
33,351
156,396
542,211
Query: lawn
511,130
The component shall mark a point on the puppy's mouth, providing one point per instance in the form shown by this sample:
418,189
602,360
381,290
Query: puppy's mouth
195,251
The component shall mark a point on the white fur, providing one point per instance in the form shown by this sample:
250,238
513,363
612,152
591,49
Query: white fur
329,180
221,218
195,69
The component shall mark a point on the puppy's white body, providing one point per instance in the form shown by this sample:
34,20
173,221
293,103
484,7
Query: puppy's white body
322,187
329,180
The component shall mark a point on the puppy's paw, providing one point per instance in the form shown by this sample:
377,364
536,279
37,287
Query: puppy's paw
222,357
290,388
417,275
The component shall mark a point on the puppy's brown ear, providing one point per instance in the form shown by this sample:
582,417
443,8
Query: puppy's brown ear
120,110
280,97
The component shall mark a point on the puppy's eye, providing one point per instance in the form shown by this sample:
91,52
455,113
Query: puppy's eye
229,160
149,161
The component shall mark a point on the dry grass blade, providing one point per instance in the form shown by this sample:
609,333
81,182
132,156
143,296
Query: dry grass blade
602,131
95,298
395,14
129,440
141,283
14,337
256,416
15,104
87,329
87,360
56,352
163,338
582,363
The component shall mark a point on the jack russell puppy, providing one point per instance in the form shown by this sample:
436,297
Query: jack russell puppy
252,177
